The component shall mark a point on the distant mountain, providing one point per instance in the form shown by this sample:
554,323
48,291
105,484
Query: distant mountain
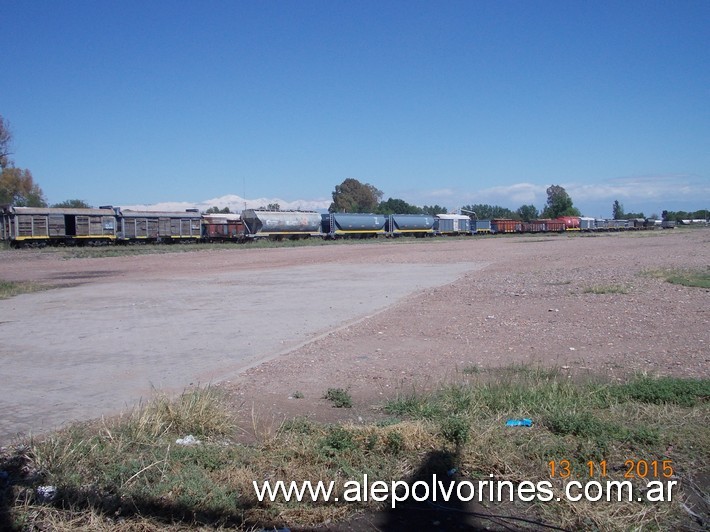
235,204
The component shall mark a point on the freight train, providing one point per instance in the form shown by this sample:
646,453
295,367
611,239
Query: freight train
30,226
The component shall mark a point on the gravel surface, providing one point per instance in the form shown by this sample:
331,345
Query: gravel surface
515,299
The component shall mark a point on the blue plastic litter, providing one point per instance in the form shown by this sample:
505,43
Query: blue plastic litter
525,422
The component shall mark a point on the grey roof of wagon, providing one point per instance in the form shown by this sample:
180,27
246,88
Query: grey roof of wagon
159,214
49,210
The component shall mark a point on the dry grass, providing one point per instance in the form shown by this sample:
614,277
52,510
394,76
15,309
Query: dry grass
607,289
128,473
697,278
10,289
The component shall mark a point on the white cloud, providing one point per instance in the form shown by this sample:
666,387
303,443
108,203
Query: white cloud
235,204
517,194
647,193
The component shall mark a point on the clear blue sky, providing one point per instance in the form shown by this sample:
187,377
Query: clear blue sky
144,102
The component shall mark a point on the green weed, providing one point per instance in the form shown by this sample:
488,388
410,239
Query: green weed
339,397
606,289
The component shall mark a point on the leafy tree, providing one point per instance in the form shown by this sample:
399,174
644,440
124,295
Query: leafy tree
217,210
72,204
397,206
488,212
433,210
353,196
17,187
617,210
5,141
528,212
559,203
273,207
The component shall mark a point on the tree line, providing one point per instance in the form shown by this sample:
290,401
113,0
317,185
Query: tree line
18,187
353,196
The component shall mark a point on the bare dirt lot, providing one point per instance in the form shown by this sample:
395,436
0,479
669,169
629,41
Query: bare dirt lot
375,319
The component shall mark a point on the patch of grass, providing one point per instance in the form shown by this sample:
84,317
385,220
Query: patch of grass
606,289
339,397
698,278
10,289
664,390
128,473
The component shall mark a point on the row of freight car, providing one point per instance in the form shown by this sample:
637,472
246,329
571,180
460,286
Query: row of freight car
41,226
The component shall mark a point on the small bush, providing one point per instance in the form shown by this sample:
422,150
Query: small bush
339,397
455,430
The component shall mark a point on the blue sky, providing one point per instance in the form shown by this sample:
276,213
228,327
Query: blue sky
196,103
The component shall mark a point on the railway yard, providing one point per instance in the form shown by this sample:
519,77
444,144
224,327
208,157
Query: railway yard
274,329
369,317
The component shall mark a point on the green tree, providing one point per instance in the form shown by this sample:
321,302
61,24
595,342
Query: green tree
17,187
5,142
397,206
488,212
217,210
353,196
559,203
433,210
617,210
528,212
72,204
273,207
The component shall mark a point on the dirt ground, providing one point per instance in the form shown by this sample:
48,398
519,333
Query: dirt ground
534,303
498,301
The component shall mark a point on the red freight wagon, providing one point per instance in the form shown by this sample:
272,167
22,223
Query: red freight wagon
506,226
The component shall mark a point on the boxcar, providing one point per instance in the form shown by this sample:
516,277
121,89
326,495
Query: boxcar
147,226
452,224
35,226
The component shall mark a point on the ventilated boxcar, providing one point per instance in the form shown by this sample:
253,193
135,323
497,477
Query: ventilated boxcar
280,224
34,226
145,226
